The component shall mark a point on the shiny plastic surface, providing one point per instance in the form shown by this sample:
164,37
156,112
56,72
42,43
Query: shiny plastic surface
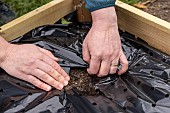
145,88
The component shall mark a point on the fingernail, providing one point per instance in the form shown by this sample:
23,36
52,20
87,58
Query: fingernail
55,58
65,82
119,73
68,78
88,71
48,88
61,86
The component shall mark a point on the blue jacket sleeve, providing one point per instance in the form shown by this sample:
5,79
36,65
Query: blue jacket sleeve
93,5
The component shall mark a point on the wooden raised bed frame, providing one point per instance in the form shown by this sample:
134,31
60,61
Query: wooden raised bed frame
154,31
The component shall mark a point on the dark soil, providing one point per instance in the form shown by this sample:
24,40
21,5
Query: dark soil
81,81
159,8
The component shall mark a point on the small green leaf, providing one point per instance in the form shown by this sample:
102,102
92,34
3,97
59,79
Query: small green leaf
64,21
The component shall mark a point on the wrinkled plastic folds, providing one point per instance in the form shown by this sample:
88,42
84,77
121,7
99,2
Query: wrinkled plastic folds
145,88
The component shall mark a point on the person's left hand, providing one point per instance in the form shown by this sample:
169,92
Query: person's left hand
102,45
34,65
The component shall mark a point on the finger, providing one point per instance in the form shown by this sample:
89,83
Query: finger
94,66
56,66
124,63
61,71
51,72
113,66
36,82
48,79
86,54
48,53
104,69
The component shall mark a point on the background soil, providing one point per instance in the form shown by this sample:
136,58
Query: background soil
159,8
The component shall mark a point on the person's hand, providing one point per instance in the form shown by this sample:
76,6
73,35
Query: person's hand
102,45
34,65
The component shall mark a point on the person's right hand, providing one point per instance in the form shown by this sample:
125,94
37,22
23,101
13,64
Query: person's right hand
102,45
34,65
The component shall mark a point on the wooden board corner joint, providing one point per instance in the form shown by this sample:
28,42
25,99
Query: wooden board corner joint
46,14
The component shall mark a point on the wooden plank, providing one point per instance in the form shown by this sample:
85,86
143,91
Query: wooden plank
83,14
155,31
47,14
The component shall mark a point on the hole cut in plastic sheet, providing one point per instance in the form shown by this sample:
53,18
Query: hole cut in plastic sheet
144,88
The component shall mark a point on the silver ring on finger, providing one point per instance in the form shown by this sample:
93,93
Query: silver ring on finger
114,65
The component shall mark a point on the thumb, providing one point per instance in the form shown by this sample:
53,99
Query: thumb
86,54
124,63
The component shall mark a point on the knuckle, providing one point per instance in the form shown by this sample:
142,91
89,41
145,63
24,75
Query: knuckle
117,50
31,62
117,53
32,80
29,79
53,83
54,64
51,71
47,51
124,69
57,76
97,54
126,63
85,58
40,85
101,75
96,57
59,69
104,73
113,71
60,77
92,72
40,55
50,54
84,45
24,69
44,77
108,54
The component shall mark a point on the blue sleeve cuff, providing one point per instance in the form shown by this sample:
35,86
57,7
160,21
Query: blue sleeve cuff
100,7
93,5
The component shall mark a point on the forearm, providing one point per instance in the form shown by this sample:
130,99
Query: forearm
3,48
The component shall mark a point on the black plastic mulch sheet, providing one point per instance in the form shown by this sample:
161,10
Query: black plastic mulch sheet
145,88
